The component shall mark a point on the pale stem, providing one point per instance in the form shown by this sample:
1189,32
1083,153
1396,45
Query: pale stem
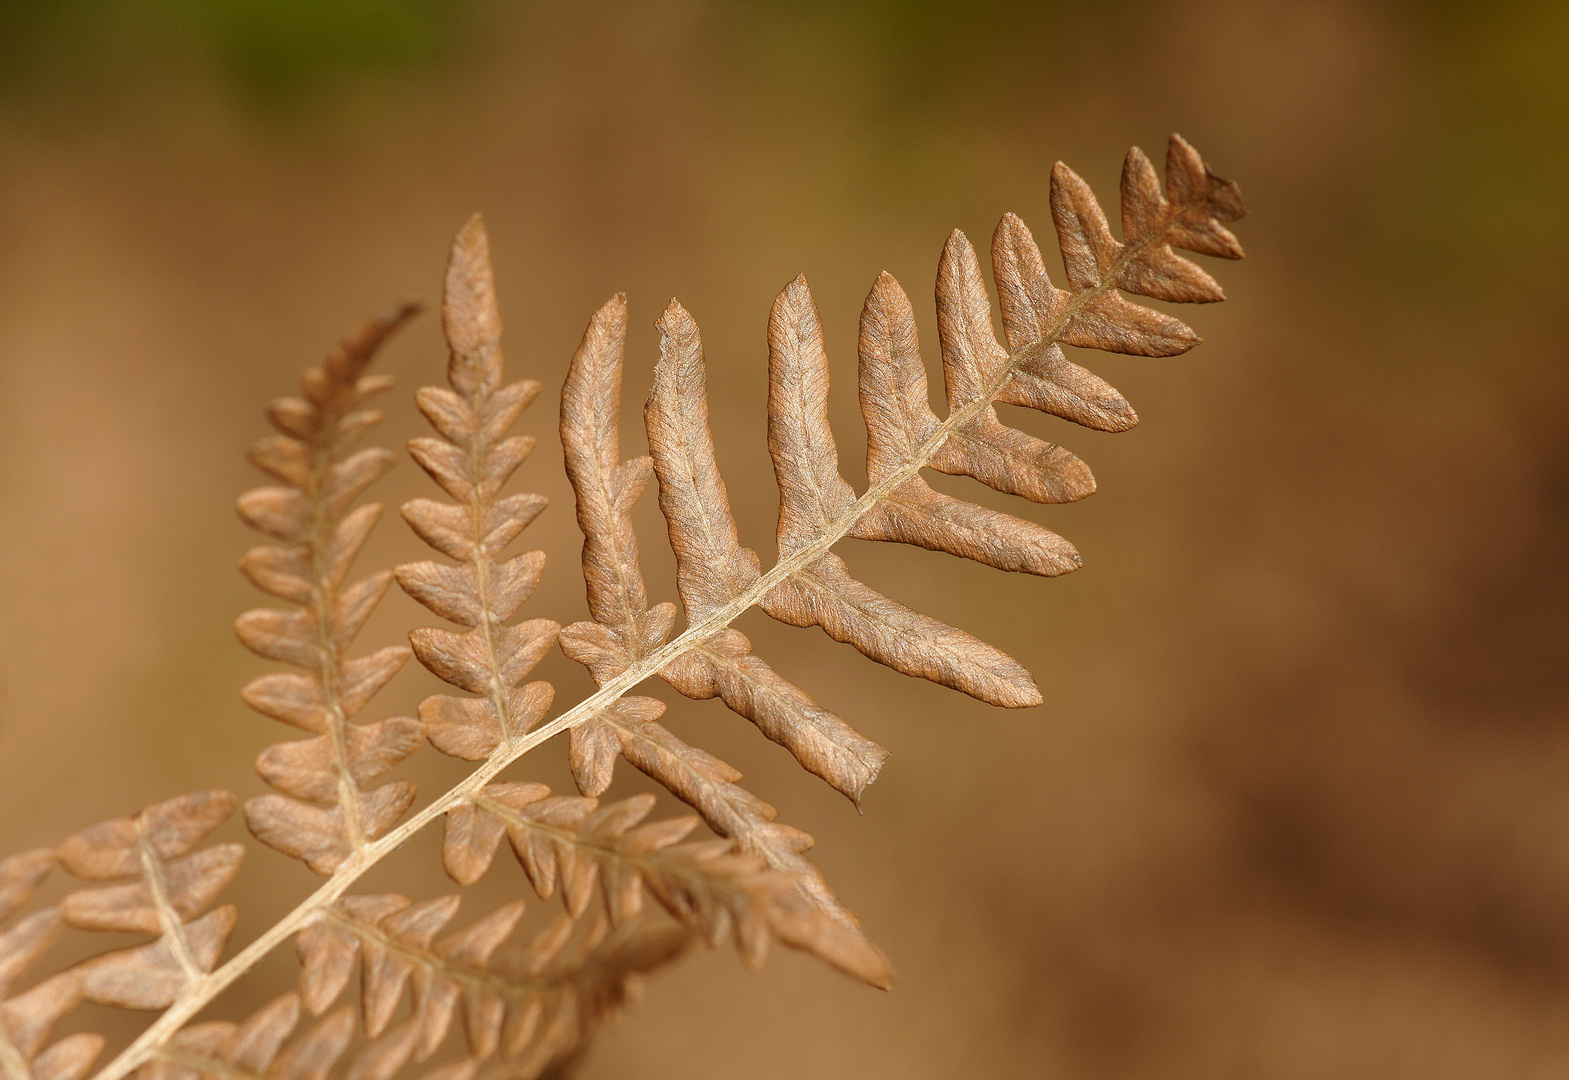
168,918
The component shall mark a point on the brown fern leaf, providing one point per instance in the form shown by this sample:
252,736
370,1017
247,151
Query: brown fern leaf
256,1048
531,1012
20,876
592,977
712,887
813,497
631,729
713,568
510,1004
171,884
471,461
899,420
597,973
718,578
222,1048
328,809
705,783
27,1019
1038,319
626,630
811,585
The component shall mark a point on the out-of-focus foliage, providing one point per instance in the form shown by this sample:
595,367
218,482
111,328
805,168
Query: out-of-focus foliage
911,54
272,51
1498,116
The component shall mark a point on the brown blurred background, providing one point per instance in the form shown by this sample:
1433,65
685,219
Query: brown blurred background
1297,805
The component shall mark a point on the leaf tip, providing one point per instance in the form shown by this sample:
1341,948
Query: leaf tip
1012,223
612,312
675,324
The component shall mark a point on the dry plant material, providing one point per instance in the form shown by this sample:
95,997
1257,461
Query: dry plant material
155,881
329,808
170,885
515,1004
471,461
531,1009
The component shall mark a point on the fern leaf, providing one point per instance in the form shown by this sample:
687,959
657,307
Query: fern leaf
904,435
626,630
711,887
253,1050
223,1048
902,432
314,1054
718,578
172,886
899,419
511,1005
471,460
27,1019
534,1011
20,876
172,883
328,809
255,1047
713,569
592,976
26,1022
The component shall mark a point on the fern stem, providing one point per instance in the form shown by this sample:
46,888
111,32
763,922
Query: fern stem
479,506
202,990
169,919
324,596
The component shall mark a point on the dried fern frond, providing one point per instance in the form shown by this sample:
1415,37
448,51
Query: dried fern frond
471,461
329,810
27,1020
173,884
517,1005
259,1049
713,887
711,563
223,1048
904,436
157,882
589,977
718,578
533,1011
20,876
625,630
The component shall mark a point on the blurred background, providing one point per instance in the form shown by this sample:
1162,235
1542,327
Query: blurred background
1297,804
